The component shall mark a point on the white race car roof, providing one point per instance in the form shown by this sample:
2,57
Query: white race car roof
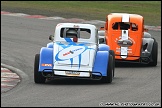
93,29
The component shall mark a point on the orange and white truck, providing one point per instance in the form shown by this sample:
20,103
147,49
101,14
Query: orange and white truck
130,41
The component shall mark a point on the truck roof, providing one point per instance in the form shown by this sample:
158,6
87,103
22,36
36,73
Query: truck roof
126,14
77,25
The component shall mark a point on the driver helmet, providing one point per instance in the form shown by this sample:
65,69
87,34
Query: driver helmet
71,33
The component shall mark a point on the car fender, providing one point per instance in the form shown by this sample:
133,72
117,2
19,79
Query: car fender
147,35
148,43
103,47
101,32
101,62
46,58
50,45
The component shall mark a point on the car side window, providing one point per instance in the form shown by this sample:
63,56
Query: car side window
134,27
115,26
62,32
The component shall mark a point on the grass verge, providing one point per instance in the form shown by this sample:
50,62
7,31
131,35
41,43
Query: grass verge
88,10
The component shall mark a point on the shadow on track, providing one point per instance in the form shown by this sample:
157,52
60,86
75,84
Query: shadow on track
131,65
74,81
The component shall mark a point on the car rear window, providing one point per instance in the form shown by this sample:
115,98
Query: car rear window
83,33
124,26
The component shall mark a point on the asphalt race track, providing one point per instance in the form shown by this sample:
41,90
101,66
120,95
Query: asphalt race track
22,38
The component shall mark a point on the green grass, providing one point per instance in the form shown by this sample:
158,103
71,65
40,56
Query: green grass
88,10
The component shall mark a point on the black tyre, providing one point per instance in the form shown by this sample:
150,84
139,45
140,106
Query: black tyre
109,77
154,54
38,78
113,55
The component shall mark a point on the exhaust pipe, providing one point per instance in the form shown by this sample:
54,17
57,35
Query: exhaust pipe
49,76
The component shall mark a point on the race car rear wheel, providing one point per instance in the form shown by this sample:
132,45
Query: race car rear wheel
154,54
38,78
109,77
113,55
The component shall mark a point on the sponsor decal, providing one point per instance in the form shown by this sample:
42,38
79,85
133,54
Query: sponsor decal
125,43
71,50
128,50
76,26
72,73
47,65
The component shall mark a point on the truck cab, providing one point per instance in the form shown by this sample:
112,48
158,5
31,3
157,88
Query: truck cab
127,37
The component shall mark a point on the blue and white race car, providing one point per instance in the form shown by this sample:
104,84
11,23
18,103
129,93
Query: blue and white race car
75,52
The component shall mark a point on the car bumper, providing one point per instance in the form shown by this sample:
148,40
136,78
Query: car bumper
52,73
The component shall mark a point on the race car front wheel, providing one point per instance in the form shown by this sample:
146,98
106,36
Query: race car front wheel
38,77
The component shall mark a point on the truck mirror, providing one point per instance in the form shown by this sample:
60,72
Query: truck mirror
101,28
145,29
51,37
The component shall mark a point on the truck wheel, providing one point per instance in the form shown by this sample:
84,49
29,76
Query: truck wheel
38,78
109,77
154,54
113,55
